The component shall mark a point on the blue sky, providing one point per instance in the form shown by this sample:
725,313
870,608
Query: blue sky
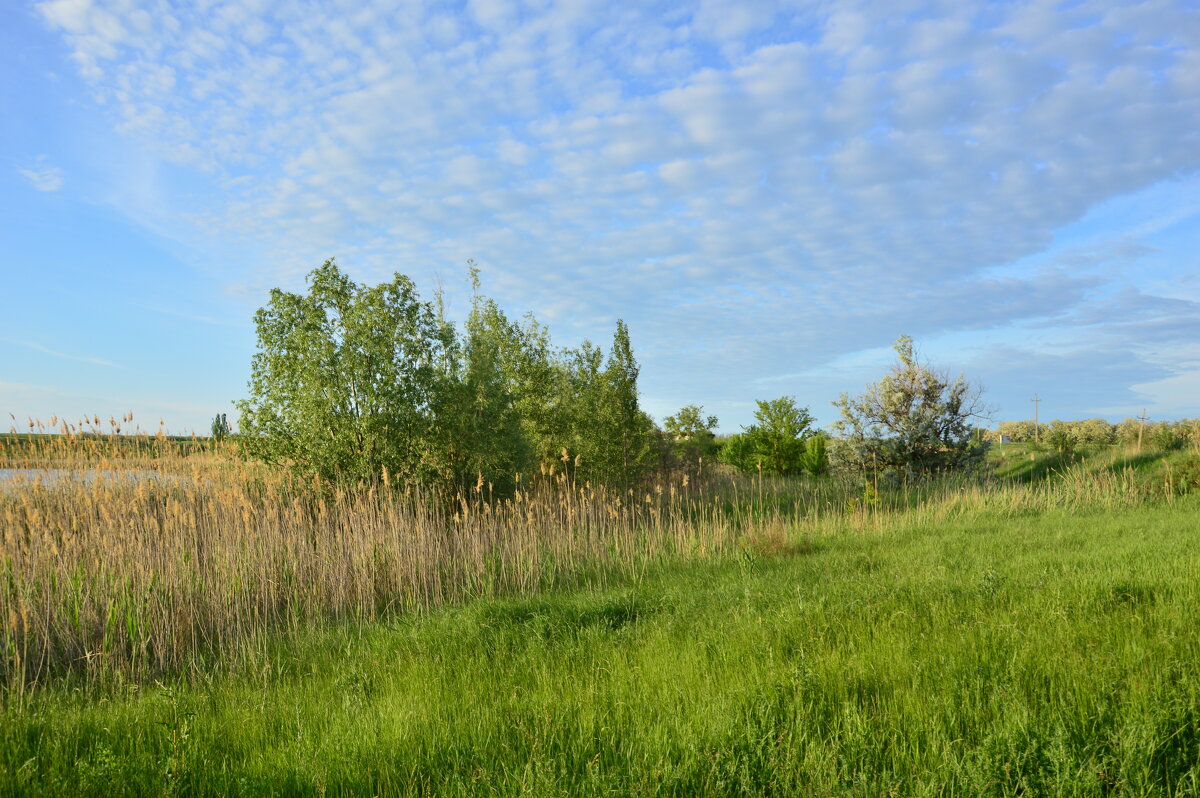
768,193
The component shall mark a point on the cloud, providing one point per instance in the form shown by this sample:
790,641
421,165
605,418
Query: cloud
43,178
769,184
955,151
1169,398
54,353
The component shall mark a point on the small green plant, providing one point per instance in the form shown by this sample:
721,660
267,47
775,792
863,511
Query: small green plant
815,459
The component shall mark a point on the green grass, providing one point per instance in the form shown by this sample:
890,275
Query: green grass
983,654
1031,463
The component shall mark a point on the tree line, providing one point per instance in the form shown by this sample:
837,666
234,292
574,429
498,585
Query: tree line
1063,435
353,382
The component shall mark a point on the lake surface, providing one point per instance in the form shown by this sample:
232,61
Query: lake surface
12,478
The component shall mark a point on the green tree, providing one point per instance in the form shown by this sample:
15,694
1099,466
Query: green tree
631,433
1061,438
1019,431
1097,431
778,441
220,427
779,434
1167,436
608,439
537,381
690,436
481,423
740,451
1129,431
348,380
815,458
585,433
915,420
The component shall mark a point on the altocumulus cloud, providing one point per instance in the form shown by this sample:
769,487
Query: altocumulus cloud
767,185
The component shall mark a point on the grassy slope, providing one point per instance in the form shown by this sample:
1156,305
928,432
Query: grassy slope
1050,654
1027,462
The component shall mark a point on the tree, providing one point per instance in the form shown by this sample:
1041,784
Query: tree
815,458
914,420
1096,431
740,451
602,435
486,441
690,435
777,442
1167,436
1019,431
351,382
348,380
1061,438
631,428
220,427
780,432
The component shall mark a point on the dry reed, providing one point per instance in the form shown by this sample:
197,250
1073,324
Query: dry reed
194,561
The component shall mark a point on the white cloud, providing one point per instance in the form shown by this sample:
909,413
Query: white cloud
1166,399
63,355
623,160
43,178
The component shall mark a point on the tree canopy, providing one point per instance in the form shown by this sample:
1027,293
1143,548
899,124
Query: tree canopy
781,441
353,381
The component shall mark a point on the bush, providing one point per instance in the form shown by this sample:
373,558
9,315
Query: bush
915,420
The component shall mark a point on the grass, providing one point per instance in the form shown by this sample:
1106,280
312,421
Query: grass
1030,462
980,655
234,632
62,443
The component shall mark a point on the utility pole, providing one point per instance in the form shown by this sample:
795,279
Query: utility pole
1141,427
1037,428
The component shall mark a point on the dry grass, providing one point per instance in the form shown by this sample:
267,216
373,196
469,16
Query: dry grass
194,564
197,558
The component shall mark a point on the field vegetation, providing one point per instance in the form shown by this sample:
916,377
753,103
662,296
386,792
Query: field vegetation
237,632
433,560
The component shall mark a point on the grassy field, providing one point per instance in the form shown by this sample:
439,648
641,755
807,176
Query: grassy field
1034,638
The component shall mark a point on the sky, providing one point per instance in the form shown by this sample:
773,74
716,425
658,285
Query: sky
768,193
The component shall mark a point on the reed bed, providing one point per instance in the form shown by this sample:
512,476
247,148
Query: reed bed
194,567
118,578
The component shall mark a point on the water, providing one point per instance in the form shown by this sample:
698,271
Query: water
14,478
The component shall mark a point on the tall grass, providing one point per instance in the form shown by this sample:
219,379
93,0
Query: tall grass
92,441
1050,655
194,566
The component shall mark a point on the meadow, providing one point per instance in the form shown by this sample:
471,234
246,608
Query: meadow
234,630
